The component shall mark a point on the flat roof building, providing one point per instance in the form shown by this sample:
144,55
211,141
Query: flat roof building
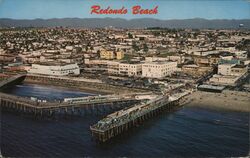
158,69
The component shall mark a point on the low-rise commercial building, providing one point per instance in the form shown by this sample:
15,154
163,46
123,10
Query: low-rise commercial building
196,70
223,80
232,69
228,74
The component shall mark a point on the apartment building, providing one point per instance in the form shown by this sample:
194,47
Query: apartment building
158,69
55,69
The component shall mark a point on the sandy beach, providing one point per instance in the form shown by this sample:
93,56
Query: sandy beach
227,100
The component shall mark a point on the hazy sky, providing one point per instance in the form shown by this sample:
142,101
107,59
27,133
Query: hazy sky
168,9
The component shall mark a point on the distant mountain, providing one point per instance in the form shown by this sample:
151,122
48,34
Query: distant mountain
123,23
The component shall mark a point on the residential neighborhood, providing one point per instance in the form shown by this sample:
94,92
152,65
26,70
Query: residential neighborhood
219,56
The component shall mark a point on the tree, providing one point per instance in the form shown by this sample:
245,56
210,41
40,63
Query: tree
135,47
145,47
130,35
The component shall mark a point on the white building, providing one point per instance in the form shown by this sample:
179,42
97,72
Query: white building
55,69
130,69
158,69
228,74
225,69
113,67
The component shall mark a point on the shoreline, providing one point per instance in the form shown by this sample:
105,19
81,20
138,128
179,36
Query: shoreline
226,101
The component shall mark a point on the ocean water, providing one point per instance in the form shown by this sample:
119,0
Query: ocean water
186,132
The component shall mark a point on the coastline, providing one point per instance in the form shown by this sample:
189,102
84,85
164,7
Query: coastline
227,100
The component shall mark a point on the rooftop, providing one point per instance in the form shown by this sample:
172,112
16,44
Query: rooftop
53,63
239,66
159,62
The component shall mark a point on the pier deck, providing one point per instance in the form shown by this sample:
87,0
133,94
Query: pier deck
120,121
25,104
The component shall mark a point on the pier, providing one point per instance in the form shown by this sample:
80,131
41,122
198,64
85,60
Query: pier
93,104
12,81
121,121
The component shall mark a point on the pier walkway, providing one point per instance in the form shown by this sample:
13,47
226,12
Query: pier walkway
120,121
93,103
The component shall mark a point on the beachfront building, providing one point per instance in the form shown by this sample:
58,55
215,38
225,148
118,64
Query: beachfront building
232,69
55,69
158,69
223,80
228,74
